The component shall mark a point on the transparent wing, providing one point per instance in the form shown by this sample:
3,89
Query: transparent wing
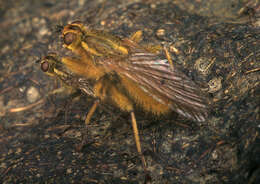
81,83
155,74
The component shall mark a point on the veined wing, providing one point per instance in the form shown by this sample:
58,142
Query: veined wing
76,81
155,74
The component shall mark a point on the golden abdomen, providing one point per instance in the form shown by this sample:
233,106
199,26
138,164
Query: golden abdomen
147,99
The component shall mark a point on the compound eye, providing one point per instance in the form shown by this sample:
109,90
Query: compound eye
69,38
45,66
77,22
76,28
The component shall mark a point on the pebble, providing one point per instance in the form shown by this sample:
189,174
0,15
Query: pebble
32,94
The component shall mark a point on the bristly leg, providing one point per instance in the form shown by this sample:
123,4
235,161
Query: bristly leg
91,111
169,58
138,143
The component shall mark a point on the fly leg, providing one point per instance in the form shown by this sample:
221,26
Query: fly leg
91,111
169,58
137,140
85,131
126,104
100,90
137,37
139,148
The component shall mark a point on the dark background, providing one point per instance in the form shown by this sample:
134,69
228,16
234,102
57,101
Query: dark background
216,43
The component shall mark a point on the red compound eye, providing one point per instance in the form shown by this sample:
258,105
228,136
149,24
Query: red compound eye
69,38
45,66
